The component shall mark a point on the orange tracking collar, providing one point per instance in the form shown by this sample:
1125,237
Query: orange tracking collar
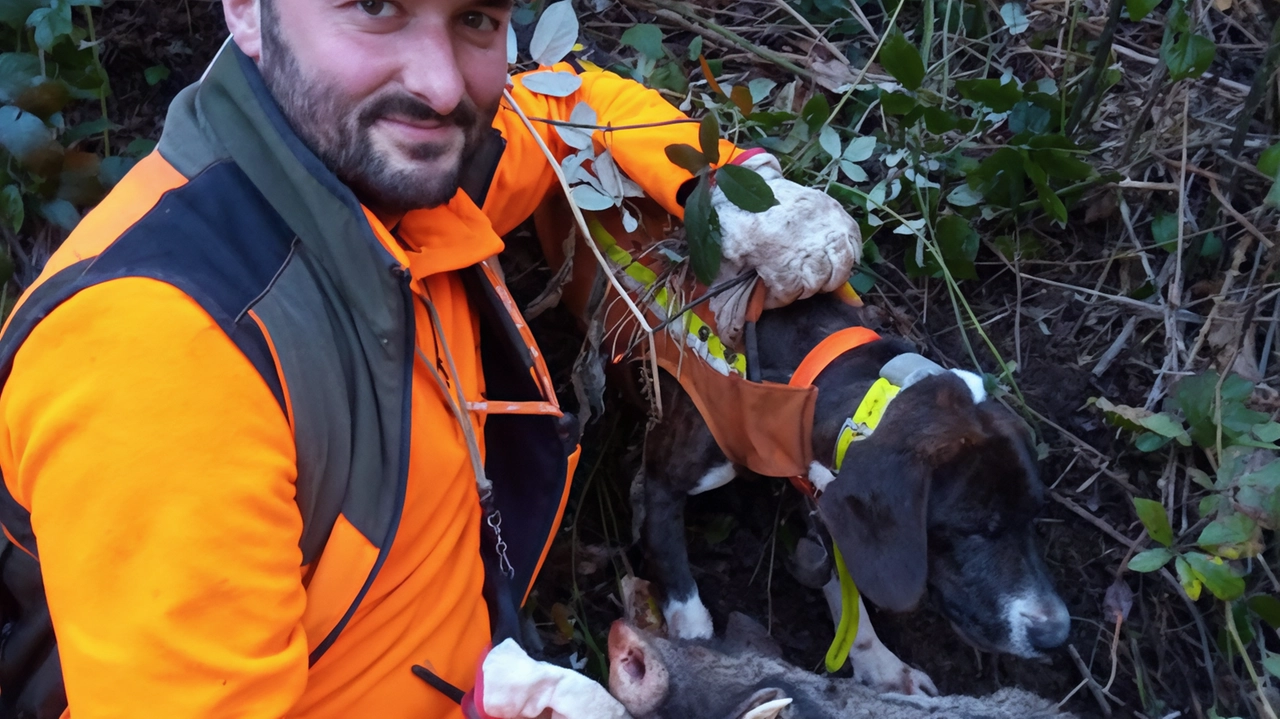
818,359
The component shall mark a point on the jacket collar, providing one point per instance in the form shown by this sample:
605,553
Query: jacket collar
232,108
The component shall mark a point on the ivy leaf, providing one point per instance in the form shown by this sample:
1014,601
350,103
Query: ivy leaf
552,84
11,207
1028,117
1139,9
14,13
745,188
25,137
709,139
1150,560
61,213
1216,575
702,228
959,246
1154,519
1188,56
902,60
17,70
51,23
645,38
685,156
555,35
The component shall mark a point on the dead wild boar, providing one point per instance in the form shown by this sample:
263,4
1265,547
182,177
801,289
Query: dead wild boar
744,677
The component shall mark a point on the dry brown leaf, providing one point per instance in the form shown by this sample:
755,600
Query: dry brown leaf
640,608
1222,5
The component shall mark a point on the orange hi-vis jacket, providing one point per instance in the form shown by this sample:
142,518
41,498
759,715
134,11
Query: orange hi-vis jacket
221,437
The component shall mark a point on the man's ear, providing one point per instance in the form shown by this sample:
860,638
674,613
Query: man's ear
876,511
244,21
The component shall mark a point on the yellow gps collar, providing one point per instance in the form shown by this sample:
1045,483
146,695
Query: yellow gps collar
865,419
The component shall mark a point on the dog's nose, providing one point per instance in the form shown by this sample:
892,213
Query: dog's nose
1047,623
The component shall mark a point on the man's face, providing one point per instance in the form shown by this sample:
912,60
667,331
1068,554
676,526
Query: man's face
392,96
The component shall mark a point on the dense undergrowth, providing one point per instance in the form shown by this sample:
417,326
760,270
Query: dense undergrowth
1078,198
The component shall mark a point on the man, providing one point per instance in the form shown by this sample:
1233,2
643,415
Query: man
246,405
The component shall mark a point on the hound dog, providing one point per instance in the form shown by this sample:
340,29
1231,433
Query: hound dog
941,495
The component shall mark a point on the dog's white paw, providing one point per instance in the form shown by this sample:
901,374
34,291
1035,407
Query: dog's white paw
882,670
688,619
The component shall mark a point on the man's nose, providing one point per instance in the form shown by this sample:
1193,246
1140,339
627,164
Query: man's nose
430,69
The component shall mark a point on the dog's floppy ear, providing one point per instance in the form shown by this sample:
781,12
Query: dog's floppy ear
877,507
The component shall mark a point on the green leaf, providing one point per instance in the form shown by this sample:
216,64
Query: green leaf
155,74
1001,178
1267,608
1188,56
11,207
1139,9
1154,519
1191,584
895,103
1149,441
1216,575
1150,560
51,23
1000,97
702,228
829,141
902,60
816,111
1028,117
1268,161
647,39
14,13
938,121
1272,664
1267,431
1233,536
745,188
61,213
1195,396
695,48
1049,199
685,156
709,139
27,138
1164,230
555,34
1062,164
17,71
959,246
740,95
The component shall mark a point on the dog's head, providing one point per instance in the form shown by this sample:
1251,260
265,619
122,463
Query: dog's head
943,494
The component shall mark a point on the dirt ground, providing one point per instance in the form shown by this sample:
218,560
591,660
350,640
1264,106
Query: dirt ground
738,556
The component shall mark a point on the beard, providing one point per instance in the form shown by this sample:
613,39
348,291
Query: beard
339,130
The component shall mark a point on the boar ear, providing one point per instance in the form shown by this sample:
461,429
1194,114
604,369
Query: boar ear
764,704
746,635
637,676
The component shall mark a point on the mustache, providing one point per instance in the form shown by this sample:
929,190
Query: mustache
465,115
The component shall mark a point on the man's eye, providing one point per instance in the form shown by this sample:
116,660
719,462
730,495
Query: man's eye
479,21
377,8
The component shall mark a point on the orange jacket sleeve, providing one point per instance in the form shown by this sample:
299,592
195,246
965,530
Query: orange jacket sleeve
159,472
524,176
